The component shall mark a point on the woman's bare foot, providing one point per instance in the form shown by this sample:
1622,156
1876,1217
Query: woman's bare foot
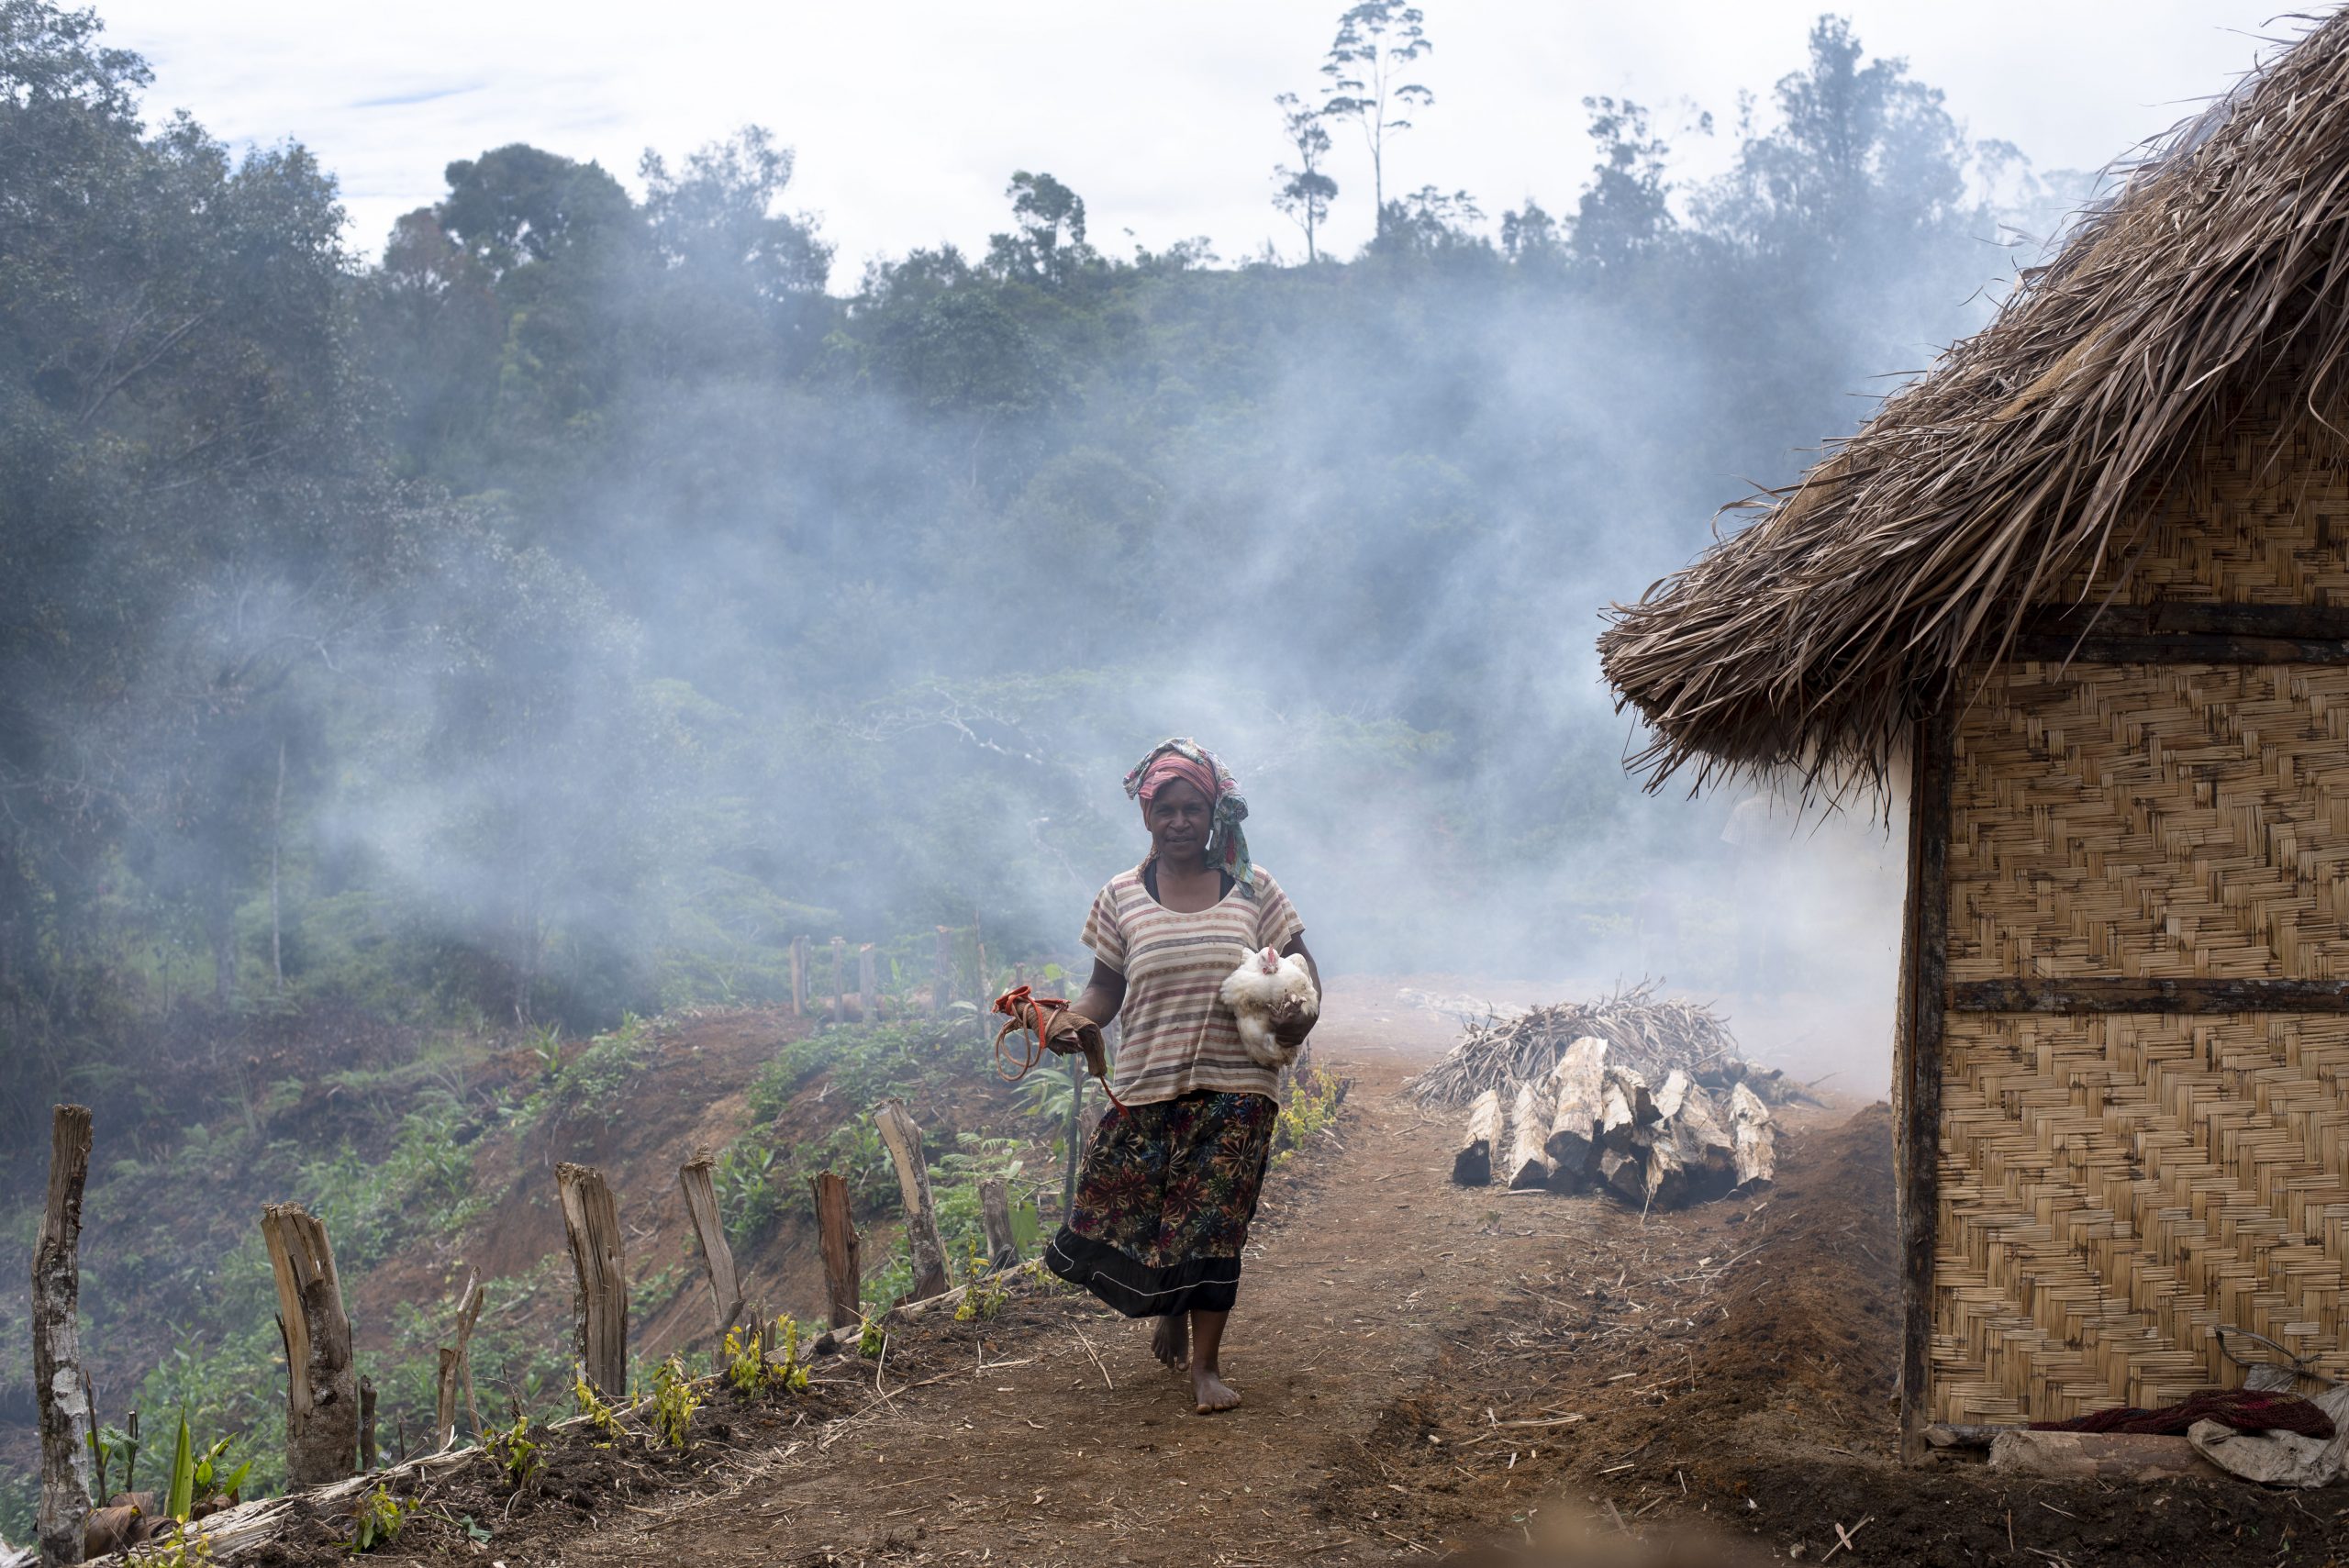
1171,1341
1211,1392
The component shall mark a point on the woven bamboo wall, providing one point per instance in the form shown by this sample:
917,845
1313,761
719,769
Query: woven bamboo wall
2112,1186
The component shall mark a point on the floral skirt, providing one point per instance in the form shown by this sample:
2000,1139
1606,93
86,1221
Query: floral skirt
1163,1201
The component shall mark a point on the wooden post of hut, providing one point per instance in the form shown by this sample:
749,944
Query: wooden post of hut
868,984
842,1252
2106,674
700,1192
903,1137
61,1391
590,1226
321,1386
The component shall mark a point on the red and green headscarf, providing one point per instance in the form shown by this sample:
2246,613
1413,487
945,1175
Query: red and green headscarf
1187,760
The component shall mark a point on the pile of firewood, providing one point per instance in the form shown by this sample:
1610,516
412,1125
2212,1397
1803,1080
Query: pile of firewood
1641,1097
1649,1034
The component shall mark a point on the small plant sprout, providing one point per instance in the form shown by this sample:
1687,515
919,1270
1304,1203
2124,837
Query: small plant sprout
746,1363
377,1519
512,1451
674,1403
179,1546
871,1339
984,1296
600,1416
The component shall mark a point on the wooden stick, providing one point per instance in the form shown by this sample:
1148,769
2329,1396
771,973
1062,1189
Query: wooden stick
61,1389
701,1207
903,1136
868,984
839,980
799,977
456,1367
367,1450
1473,1165
836,1228
591,1224
321,1393
995,1219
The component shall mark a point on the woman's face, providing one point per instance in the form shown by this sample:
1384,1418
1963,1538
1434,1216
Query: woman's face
1177,818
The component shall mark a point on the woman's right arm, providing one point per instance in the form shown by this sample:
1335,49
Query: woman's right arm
1104,993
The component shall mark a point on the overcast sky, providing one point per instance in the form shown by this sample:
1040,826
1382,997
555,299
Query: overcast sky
908,115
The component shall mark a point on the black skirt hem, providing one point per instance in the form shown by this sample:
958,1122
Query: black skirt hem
1205,1284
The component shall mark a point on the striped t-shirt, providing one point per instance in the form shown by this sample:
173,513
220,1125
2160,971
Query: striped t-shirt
1174,1033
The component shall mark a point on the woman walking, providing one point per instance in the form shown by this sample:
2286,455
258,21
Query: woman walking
1170,1182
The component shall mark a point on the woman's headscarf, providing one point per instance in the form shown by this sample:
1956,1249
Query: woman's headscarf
1187,760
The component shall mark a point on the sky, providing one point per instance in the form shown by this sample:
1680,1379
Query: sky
909,116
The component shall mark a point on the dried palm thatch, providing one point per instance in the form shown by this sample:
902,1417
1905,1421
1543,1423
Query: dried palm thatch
1651,1034
1813,638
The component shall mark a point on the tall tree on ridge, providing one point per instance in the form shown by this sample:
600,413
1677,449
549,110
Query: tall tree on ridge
1305,192
1377,40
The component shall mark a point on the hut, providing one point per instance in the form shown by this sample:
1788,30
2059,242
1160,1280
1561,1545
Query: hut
2081,592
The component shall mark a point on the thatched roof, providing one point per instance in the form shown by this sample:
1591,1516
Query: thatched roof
1816,635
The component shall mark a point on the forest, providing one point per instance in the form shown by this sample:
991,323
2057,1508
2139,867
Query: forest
540,616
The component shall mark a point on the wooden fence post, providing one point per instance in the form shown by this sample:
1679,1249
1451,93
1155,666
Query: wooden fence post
61,1392
899,1131
367,1450
942,984
843,1259
839,980
798,977
457,1367
1075,1102
994,1219
591,1224
321,1392
868,984
701,1207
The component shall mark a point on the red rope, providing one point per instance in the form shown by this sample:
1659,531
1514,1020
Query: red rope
1028,1014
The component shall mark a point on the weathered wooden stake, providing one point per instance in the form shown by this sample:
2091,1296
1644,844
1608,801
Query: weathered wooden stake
1473,1165
591,1224
798,977
321,1391
701,1207
61,1392
1073,1134
457,1367
903,1136
367,1450
843,1259
868,984
942,984
995,1219
839,980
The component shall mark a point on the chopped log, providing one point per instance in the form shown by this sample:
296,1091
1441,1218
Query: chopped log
1666,1183
701,1207
590,1226
456,1367
61,1392
1755,1140
321,1392
367,1450
868,985
2098,1456
1615,1120
1619,1172
1709,1153
836,1234
1634,1086
994,1219
903,1136
1473,1165
1528,1165
1668,1098
1580,1079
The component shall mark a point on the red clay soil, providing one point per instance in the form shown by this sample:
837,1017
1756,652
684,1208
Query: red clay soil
1429,1373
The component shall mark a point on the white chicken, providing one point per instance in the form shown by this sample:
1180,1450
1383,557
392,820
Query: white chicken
1267,992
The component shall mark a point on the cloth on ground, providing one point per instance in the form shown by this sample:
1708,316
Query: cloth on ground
2245,1410
1164,1202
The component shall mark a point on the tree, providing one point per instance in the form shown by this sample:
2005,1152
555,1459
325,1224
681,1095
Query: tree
516,204
1305,193
1049,248
1624,210
1376,42
1530,235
